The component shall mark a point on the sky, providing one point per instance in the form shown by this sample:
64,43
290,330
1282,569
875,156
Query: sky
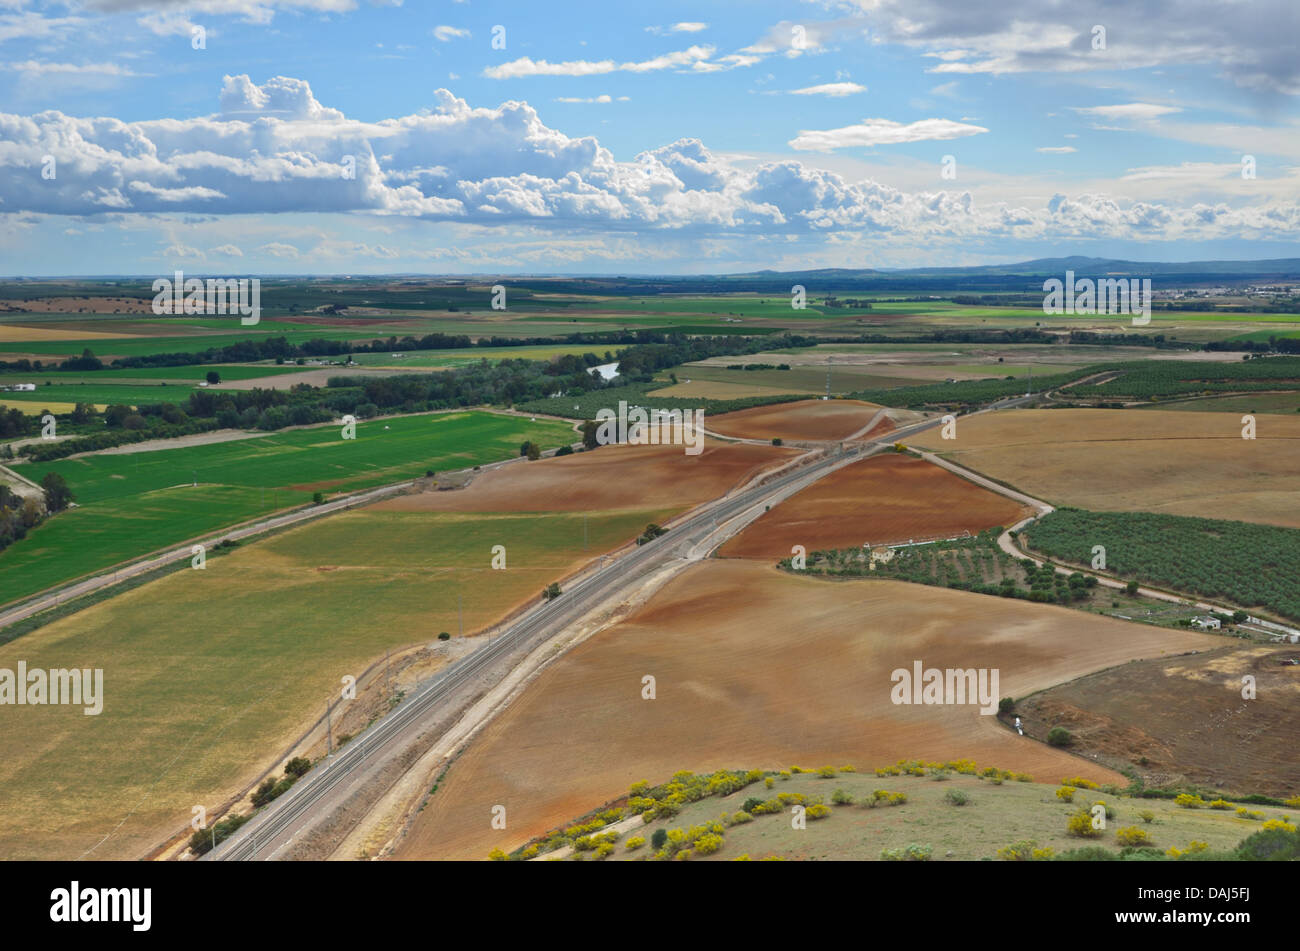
381,136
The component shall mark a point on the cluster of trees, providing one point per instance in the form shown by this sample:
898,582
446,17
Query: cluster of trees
14,424
1240,562
967,564
1162,378
19,515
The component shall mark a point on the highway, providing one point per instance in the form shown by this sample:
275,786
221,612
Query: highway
330,780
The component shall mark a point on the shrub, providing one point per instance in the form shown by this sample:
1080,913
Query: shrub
1091,853
740,818
938,775
752,803
444,636
1078,782
1132,836
1245,813
297,766
1059,736
496,855
1065,794
956,797
1269,845
1293,802
769,782
1279,824
1026,850
1188,801
708,844
1147,816
817,811
658,839
530,852
1220,804
1006,705
826,772
909,853
1080,824
1192,848
848,769
841,798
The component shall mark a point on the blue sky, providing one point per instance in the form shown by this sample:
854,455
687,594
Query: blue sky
350,136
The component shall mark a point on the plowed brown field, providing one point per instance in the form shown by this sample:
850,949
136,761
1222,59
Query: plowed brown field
755,667
609,478
802,420
1176,463
881,500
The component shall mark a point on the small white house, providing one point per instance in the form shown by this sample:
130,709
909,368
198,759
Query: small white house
1206,623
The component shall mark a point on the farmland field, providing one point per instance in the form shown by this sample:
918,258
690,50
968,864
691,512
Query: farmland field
156,495
802,420
1254,566
1183,720
199,701
1177,463
608,478
757,667
884,499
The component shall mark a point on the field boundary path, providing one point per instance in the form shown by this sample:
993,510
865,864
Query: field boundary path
325,801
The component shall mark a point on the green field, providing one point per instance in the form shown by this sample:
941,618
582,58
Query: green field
130,504
209,674
106,393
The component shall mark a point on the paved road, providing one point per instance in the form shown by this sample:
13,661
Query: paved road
317,794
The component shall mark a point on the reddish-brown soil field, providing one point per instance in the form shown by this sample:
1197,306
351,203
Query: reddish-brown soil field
755,667
1186,717
806,420
608,478
885,499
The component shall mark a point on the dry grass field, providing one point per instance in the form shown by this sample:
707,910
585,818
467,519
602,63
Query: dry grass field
1177,463
1183,719
802,420
883,499
755,667
31,333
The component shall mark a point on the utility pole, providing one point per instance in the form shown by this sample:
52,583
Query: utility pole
828,377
